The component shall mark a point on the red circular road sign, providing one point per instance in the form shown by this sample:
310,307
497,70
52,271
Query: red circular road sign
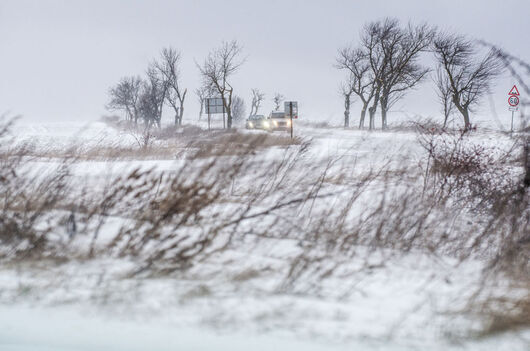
513,101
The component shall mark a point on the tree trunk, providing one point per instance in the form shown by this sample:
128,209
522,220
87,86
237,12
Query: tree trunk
384,111
363,115
347,111
447,111
383,117
229,110
229,118
467,123
181,109
371,112
373,108
464,111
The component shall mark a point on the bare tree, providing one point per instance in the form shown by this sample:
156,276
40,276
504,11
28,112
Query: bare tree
373,35
125,97
278,98
152,98
238,108
469,78
360,78
202,94
201,97
168,67
217,69
443,90
346,90
401,71
257,99
385,65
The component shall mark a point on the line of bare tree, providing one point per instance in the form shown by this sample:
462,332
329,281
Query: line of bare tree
143,99
384,66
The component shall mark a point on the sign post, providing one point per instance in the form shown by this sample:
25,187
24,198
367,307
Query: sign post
513,101
292,108
291,117
214,105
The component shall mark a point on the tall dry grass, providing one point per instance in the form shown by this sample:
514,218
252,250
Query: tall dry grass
224,188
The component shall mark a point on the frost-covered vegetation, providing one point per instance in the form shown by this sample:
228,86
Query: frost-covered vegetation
248,217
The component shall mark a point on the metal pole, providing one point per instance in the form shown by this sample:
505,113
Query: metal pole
512,121
208,120
291,116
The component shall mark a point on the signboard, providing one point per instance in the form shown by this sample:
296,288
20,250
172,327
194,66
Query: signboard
513,101
214,105
287,109
514,91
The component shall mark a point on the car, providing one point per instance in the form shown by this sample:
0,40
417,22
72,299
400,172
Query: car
258,122
280,121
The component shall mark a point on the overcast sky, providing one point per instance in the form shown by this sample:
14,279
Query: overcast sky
59,58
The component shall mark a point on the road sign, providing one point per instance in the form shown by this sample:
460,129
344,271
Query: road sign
513,108
287,108
514,91
291,111
214,105
513,101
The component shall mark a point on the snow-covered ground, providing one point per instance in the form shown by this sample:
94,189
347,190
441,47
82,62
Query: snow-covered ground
234,300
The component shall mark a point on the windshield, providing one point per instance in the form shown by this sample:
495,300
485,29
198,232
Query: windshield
278,115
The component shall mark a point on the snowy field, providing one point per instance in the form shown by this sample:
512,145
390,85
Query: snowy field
251,294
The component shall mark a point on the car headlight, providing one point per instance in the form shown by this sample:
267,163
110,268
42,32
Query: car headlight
266,124
275,123
251,125
288,123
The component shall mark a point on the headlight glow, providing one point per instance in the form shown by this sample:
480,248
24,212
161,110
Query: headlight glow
275,123
266,124
251,125
288,123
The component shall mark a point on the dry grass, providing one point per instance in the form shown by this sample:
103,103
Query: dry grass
166,144
173,220
481,181
505,314
169,218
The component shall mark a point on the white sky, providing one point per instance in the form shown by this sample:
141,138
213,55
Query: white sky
58,58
